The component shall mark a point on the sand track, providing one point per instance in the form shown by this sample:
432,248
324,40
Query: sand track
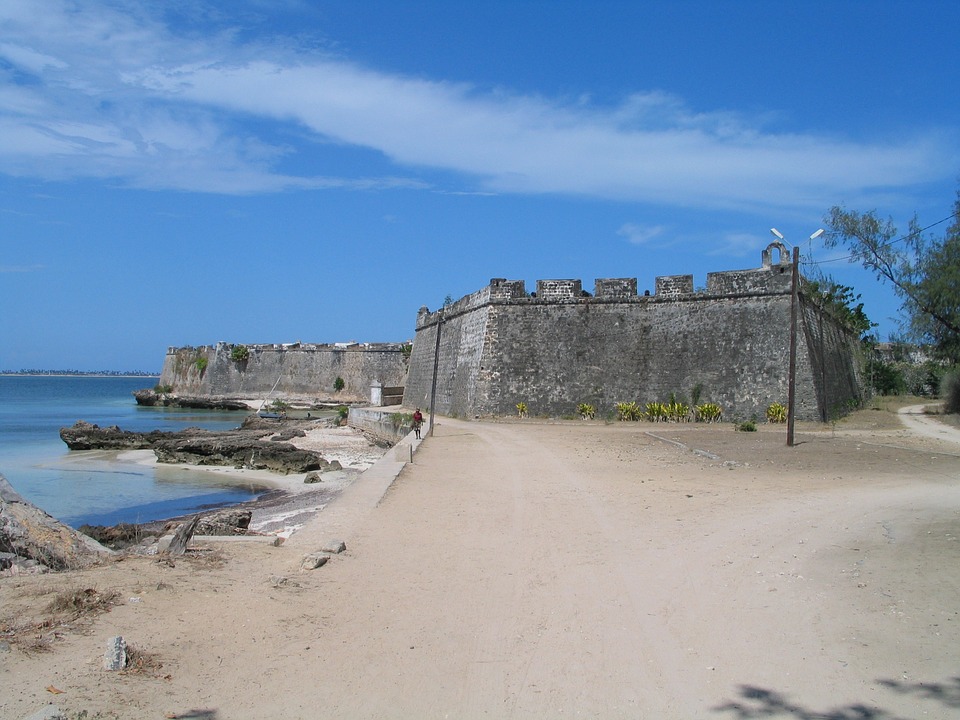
529,570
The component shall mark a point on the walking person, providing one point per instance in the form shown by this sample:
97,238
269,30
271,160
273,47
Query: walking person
417,421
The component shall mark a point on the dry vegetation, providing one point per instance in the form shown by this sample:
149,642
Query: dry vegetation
67,611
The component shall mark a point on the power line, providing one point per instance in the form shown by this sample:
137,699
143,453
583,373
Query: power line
951,216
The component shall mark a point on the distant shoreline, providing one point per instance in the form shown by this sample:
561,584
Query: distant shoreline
71,373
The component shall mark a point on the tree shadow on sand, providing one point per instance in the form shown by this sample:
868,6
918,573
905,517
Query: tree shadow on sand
757,702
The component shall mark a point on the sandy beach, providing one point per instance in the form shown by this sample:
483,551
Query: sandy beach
543,569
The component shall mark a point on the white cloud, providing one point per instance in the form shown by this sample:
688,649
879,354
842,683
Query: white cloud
735,244
638,234
118,94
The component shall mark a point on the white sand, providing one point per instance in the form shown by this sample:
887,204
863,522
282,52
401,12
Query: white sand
541,570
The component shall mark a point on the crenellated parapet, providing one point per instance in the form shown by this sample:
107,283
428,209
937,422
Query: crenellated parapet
559,345
770,278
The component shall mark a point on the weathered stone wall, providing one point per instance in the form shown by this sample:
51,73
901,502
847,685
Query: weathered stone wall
556,349
835,363
289,371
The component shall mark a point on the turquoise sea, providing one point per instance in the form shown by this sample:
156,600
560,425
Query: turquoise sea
94,487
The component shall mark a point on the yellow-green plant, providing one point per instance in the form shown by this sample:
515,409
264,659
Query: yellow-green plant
628,411
521,409
587,411
777,413
239,353
708,412
656,412
677,411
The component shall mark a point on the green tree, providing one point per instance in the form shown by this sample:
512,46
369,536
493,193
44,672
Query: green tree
841,302
924,270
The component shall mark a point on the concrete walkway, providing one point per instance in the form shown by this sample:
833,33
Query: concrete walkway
345,513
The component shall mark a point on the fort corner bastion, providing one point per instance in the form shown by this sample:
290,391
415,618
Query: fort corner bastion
560,346
285,371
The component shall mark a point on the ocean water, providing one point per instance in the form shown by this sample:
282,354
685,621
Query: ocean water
96,487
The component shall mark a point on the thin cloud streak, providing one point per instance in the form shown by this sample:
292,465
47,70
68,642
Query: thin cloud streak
99,101
638,234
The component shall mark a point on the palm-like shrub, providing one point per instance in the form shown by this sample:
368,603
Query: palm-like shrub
777,413
656,412
677,411
708,412
628,411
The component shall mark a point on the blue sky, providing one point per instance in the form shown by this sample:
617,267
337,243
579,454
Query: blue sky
186,172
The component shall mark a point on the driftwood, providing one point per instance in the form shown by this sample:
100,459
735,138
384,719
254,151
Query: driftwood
178,546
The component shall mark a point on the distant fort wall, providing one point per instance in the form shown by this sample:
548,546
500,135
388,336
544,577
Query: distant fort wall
560,346
297,370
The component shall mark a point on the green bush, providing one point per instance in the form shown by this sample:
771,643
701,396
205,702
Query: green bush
696,394
746,426
400,420
163,389
886,378
338,384
239,353
587,411
201,364
950,391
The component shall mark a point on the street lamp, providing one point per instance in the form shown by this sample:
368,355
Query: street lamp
794,304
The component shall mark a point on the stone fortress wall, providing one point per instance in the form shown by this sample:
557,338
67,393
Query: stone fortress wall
561,346
289,371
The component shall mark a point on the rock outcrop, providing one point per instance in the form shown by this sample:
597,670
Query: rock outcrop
33,541
152,398
255,445
229,521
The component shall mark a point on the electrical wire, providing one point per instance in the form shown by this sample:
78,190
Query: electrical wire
951,216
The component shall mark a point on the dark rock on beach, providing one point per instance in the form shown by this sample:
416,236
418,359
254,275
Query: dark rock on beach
87,436
247,447
152,398
230,521
127,536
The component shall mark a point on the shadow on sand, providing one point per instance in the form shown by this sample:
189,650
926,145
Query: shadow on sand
757,702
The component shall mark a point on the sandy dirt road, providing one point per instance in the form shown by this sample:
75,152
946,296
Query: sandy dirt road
549,570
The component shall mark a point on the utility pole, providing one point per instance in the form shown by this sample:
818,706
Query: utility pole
436,366
794,309
792,372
